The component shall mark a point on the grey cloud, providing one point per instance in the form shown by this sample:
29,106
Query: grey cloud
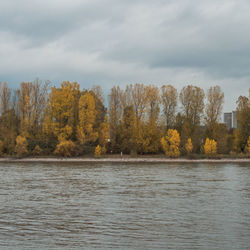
110,42
218,44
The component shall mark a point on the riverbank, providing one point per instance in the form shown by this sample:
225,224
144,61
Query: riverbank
125,160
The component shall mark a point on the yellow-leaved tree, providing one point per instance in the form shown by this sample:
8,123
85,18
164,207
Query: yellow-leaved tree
150,139
189,146
65,148
61,114
170,143
98,151
21,146
87,116
210,147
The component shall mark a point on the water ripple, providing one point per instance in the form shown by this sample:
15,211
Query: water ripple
141,206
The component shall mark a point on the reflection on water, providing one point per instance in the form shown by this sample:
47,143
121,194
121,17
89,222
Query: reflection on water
141,206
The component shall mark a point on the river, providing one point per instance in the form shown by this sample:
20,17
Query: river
124,206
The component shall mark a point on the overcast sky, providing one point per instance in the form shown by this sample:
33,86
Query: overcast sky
113,42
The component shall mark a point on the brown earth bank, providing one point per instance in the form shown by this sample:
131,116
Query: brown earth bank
126,159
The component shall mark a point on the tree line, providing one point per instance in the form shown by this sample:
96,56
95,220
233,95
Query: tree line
37,119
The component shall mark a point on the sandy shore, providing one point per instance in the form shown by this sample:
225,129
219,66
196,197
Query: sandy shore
125,160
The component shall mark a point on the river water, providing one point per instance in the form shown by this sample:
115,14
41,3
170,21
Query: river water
124,206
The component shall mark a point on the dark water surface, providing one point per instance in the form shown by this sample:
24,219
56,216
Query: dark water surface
139,206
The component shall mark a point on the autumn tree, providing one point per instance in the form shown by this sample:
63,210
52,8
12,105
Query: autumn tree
1,148
97,90
87,116
8,119
170,143
62,111
222,137
243,122
215,99
189,146
169,102
103,135
115,115
25,108
145,101
21,146
210,147
247,148
136,96
152,102
192,102
32,99
148,134
5,96
128,131
101,110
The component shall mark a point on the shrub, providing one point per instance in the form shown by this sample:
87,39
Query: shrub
65,148
37,150
189,146
98,151
210,147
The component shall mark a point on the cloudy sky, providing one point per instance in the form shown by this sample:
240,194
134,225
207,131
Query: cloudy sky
114,42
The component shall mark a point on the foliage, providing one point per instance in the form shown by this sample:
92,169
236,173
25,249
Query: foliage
37,150
170,143
152,102
98,151
129,137
21,146
215,98
61,114
210,147
8,130
247,148
169,101
103,135
221,136
1,148
65,148
151,137
87,116
243,120
189,146
32,100
68,121
192,102
115,115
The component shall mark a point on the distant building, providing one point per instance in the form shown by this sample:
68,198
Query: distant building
230,119
234,119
